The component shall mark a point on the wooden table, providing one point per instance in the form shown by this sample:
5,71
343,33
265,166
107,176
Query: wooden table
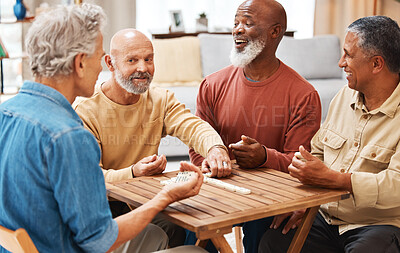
214,211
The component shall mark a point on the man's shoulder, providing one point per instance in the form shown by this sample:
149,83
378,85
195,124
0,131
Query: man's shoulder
223,74
51,119
344,95
87,103
297,81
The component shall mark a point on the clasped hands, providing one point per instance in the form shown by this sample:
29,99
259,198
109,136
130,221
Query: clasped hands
248,154
310,170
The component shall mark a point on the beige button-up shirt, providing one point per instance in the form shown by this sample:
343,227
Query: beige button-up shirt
366,144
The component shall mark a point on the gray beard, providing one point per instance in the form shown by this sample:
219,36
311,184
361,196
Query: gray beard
249,53
127,84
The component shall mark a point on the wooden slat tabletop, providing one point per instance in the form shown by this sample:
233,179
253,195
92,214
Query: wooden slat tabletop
216,209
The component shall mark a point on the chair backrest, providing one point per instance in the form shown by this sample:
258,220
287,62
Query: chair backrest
17,241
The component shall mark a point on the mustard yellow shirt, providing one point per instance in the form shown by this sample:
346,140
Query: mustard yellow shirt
128,133
366,144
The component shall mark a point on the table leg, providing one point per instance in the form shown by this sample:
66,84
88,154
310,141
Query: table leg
302,231
238,239
221,244
201,243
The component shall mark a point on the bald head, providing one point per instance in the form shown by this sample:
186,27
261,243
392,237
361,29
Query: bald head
123,38
270,11
131,60
258,29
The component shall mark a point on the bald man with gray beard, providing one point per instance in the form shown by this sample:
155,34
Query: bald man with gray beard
262,109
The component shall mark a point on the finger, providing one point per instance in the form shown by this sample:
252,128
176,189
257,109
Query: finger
164,162
190,167
241,153
236,145
296,162
227,165
292,222
273,222
186,166
307,155
148,159
293,171
205,168
279,219
248,140
288,225
157,163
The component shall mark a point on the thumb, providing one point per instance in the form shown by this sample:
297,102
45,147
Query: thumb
149,159
248,140
307,155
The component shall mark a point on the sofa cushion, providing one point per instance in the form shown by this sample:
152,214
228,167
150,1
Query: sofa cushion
177,62
327,89
313,58
214,50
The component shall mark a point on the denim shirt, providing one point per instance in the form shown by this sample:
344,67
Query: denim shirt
50,180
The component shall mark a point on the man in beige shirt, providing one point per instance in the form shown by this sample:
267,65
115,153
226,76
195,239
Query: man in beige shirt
128,119
357,149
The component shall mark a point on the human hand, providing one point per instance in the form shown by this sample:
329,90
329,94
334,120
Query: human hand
312,171
150,165
218,162
249,153
182,190
293,222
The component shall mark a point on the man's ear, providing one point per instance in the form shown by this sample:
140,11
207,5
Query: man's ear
79,64
378,63
276,31
107,59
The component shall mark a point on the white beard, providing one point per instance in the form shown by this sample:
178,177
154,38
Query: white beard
249,53
127,84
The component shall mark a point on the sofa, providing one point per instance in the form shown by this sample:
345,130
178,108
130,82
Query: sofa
181,64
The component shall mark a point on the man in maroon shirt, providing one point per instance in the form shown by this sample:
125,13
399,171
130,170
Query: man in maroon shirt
262,108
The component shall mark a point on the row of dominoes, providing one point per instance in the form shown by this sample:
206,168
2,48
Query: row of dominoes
226,186
184,176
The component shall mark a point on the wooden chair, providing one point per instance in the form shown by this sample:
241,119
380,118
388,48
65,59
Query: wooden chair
17,241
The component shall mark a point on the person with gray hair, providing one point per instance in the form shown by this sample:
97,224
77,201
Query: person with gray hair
51,182
357,149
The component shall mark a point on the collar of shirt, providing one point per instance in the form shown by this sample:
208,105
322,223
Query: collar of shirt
51,94
389,107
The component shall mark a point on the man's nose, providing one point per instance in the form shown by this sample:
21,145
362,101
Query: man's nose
238,30
141,66
342,62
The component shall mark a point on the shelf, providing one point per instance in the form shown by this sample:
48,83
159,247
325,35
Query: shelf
169,35
14,21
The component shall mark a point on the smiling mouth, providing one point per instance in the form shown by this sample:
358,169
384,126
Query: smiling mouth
349,74
240,43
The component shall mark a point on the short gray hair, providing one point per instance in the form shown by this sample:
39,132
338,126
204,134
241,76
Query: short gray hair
57,36
379,35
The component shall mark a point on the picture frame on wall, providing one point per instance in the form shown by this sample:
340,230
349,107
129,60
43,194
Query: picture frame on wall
177,21
3,50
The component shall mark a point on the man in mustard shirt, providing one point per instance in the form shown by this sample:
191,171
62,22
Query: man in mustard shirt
128,119
357,149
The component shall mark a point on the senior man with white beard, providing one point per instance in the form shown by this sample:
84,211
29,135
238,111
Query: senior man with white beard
261,108
128,118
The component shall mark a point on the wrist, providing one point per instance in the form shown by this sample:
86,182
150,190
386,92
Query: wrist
164,198
133,170
219,146
346,182
265,155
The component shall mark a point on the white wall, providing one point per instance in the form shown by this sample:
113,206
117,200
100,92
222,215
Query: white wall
153,15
